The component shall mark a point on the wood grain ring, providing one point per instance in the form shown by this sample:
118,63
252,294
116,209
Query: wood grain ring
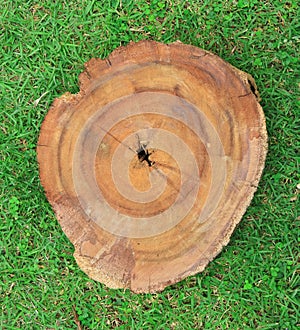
153,163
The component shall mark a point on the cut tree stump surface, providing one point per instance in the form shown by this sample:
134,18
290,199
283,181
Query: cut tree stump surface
152,164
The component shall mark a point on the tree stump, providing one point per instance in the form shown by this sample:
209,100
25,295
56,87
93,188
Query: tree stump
152,164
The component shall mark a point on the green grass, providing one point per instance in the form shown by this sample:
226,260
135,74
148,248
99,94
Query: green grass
254,282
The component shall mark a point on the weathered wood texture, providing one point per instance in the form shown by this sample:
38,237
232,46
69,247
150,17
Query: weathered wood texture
152,164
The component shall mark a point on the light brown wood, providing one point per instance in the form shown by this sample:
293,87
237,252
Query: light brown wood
152,164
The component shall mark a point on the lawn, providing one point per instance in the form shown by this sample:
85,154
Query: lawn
254,282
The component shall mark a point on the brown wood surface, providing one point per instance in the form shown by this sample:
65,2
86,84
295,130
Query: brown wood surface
152,164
